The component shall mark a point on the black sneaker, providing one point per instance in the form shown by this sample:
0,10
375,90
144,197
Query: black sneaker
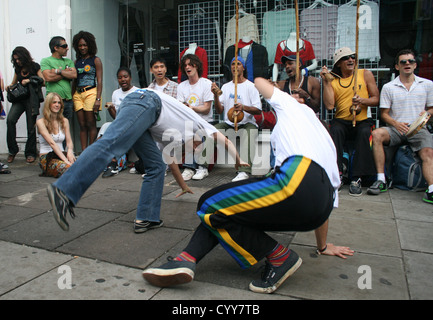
428,197
140,227
273,277
377,188
170,274
111,170
61,206
355,189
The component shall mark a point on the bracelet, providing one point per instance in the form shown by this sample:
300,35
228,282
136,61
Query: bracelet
319,252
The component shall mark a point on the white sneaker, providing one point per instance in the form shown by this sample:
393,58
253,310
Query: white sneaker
133,170
187,174
200,174
241,176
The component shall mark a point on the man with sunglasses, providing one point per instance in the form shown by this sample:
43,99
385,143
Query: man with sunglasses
59,72
339,94
403,100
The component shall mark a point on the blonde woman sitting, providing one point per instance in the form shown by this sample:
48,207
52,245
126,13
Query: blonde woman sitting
53,130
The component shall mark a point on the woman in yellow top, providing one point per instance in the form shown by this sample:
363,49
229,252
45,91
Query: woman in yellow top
339,94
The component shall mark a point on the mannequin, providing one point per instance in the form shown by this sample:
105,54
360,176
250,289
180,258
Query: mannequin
245,50
192,48
290,45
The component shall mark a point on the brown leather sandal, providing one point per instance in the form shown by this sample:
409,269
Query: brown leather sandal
11,158
31,159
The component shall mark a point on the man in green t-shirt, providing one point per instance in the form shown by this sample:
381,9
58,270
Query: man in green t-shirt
59,72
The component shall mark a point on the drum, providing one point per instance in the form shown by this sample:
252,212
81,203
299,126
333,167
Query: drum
418,125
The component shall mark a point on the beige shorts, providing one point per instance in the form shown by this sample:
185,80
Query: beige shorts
85,101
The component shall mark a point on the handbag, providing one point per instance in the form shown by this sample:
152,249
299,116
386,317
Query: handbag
17,93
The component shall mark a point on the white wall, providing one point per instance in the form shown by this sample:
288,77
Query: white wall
31,24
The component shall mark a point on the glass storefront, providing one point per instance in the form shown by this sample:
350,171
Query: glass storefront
132,32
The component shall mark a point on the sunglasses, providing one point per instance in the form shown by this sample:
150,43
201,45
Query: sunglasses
411,61
64,46
352,56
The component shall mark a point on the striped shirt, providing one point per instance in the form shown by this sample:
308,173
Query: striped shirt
406,105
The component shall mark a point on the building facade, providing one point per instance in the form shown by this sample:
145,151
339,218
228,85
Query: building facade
132,32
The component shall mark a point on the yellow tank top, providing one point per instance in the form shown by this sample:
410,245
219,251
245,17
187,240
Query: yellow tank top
343,91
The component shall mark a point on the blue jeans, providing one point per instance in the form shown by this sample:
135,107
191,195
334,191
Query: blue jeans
138,112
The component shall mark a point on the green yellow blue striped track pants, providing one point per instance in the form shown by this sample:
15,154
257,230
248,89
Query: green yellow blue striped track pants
298,196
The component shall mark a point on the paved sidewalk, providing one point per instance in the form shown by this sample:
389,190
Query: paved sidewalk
391,234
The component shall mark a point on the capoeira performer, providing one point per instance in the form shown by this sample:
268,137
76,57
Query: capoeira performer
298,196
145,117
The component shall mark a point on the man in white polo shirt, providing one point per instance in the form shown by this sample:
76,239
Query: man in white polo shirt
403,100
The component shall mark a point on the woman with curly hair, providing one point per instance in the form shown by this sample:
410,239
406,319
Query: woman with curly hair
27,72
53,130
88,86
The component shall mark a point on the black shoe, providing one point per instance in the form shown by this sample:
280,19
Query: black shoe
355,189
377,188
273,277
140,227
111,170
170,274
428,197
61,206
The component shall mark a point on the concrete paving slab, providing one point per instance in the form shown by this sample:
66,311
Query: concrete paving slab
199,291
43,232
354,208
332,278
362,235
14,189
110,200
37,199
21,264
415,235
117,243
91,280
10,215
195,197
179,214
419,268
409,206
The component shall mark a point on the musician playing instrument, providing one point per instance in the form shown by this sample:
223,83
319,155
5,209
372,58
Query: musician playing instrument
402,102
338,93
248,102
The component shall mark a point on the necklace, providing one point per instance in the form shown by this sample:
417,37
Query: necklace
339,81
300,85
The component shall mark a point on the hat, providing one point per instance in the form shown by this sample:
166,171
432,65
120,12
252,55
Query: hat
240,59
342,52
291,58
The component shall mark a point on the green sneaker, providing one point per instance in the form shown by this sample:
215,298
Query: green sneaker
377,188
428,197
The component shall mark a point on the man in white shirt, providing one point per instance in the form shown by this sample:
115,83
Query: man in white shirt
402,102
196,94
154,125
299,196
248,102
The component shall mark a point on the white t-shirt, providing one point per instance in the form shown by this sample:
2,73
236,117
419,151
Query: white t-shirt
177,124
298,132
247,95
119,95
197,95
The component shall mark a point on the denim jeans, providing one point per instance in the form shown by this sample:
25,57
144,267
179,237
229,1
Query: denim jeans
138,112
14,115
68,111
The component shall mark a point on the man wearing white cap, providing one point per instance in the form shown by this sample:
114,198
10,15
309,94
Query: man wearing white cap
249,102
339,94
